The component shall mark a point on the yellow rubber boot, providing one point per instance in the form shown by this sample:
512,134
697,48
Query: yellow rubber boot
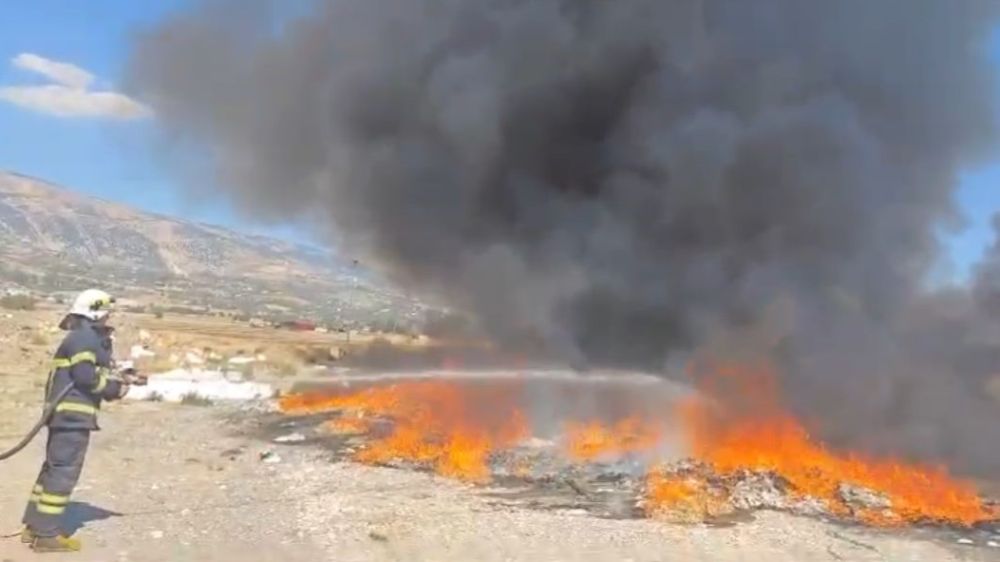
27,535
58,543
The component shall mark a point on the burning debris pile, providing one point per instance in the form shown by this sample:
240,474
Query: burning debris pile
742,457
615,184
694,491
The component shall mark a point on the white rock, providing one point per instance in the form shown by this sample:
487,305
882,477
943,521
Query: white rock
993,544
290,438
156,534
964,540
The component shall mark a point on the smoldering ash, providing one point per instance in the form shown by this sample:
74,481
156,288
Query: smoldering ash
628,181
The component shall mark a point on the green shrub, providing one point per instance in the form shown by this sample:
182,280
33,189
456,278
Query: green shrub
195,399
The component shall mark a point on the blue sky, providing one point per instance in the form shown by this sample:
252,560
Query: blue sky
111,158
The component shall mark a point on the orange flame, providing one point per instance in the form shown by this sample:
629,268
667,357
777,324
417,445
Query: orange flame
453,428
593,440
348,425
682,499
737,424
750,432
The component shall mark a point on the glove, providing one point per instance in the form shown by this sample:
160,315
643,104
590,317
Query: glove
130,375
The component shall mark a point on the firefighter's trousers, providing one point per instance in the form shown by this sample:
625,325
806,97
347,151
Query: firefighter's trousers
64,455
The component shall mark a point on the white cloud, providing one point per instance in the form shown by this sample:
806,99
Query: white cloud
64,101
70,95
61,72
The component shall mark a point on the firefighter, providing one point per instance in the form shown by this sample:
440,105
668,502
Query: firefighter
82,362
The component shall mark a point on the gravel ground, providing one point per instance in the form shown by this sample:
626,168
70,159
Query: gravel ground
175,483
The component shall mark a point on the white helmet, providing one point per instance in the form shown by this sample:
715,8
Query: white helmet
92,304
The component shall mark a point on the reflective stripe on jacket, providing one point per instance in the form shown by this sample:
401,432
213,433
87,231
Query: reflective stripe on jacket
81,362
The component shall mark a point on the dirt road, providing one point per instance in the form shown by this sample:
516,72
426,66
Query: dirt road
174,483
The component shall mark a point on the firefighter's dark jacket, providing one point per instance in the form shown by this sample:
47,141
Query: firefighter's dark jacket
83,362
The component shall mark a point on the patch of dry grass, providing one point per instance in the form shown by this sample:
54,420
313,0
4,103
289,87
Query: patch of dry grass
28,347
18,302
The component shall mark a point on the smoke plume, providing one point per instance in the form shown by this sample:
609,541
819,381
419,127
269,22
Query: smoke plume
629,181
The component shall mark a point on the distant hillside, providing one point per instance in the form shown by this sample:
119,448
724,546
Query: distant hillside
55,239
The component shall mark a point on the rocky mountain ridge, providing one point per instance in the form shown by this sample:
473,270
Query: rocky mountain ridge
54,239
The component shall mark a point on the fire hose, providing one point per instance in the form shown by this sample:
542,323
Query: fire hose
50,409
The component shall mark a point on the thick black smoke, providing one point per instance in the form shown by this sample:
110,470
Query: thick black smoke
626,180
